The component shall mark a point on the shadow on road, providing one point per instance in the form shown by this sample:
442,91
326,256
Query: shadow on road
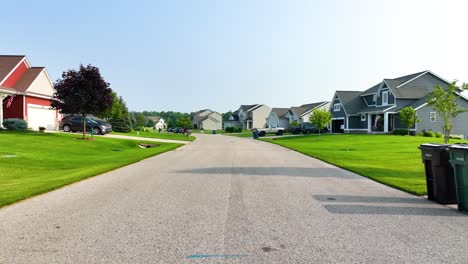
275,171
390,210
368,199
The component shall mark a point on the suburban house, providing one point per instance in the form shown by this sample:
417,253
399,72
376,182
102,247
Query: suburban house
278,117
207,120
25,93
302,113
159,122
375,110
250,116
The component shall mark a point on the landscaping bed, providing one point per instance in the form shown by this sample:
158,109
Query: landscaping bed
392,160
34,163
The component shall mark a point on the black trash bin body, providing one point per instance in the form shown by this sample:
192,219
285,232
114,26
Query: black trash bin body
440,180
459,161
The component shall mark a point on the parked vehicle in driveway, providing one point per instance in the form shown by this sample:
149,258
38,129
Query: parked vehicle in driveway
307,128
74,123
171,130
270,129
179,130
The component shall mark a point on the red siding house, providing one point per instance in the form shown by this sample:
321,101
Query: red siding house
25,93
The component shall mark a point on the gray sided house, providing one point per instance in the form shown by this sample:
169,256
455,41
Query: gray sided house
249,116
376,109
278,117
207,119
302,113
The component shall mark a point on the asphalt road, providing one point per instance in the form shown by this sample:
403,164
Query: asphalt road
224,199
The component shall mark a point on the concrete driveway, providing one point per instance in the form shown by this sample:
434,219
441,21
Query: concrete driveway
231,200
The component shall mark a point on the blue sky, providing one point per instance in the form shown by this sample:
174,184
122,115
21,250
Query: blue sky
190,55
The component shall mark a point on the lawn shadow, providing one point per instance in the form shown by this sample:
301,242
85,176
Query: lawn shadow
368,199
390,210
275,171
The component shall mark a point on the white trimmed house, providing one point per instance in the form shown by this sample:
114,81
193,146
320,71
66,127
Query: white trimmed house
26,93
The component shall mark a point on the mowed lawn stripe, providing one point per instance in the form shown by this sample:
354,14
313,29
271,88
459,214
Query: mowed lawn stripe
45,162
392,160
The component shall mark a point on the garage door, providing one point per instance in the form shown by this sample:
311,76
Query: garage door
41,117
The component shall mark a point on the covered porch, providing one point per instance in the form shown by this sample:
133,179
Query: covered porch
247,124
4,93
383,122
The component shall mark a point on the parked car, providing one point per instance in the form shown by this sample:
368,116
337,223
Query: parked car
74,123
270,129
170,130
307,128
179,130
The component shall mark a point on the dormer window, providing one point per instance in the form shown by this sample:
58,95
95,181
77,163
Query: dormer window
336,107
385,98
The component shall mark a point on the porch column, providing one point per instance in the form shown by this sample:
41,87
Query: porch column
2,97
369,123
385,122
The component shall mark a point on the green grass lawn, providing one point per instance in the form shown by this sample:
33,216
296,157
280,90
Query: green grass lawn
34,163
392,160
155,134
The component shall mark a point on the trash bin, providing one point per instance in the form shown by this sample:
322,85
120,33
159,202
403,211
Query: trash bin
214,132
459,161
255,134
440,180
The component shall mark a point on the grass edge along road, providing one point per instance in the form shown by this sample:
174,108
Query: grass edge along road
157,135
392,160
35,163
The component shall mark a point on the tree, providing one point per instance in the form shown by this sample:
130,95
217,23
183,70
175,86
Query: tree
408,117
140,119
320,118
184,122
83,92
444,102
150,123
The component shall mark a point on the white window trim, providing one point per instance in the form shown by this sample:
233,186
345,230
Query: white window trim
336,107
363,117
383,97
433,117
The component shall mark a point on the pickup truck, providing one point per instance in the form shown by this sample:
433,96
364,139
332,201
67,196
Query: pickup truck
270,129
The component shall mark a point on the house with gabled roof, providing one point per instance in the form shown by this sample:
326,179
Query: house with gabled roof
283,117
207,119
250,116
278,117
302,113
376,109
25,93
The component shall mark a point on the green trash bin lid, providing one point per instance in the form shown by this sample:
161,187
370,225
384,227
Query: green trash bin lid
459,148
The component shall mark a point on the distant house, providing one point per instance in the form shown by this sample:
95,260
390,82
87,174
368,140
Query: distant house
302,113
376,109
159,122
207,119
250,116
25,93
278,117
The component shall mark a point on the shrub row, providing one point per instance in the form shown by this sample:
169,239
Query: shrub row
15,124
233,129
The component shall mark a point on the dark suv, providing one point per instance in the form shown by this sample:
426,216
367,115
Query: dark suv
75,123
307,128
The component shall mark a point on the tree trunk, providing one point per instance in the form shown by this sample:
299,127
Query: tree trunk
408,130
84,126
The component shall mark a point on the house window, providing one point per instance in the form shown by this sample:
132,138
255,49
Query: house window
385,98
432,117
363,117
336,107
